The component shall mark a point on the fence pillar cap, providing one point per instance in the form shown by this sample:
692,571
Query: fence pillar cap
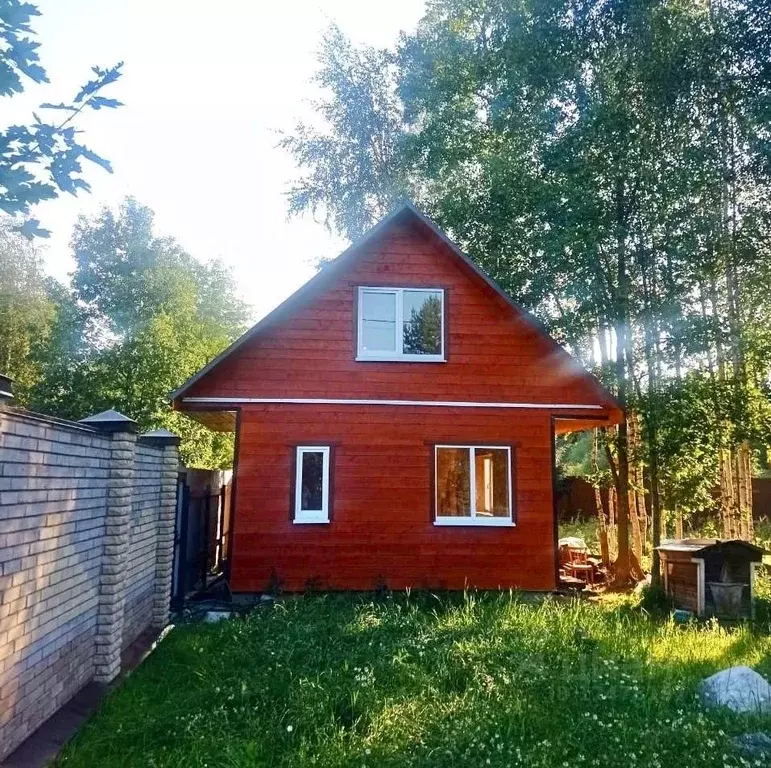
110,421
160,437
6,388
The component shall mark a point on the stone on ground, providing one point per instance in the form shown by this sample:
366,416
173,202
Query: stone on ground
212,617
741,689
754,744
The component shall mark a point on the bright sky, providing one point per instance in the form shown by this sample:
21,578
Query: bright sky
206,86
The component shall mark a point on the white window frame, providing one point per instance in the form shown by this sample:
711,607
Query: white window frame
302,516
363,355
474,519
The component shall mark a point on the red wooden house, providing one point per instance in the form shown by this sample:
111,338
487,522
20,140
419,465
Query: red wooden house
395,423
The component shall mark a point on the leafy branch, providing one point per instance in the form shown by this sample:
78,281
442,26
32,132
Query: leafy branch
42,160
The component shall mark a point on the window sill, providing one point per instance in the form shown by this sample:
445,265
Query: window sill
400,359
311,521
471,522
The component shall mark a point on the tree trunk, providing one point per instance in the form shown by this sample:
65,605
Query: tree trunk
603,533
728,494
742,502
657,520
635,569
601,517
621,327
746,456
634,487
651,334
634,524
736,461
622,571
612,529
642,511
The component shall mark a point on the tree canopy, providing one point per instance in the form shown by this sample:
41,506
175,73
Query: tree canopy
140,316
41,160
608,164
26,309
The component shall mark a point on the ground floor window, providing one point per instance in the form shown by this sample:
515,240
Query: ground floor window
311,491
473,485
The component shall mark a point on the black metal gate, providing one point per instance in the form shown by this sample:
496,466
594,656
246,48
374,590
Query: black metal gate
202,530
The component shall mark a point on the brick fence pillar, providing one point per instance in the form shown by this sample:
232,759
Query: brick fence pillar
164,559
109,629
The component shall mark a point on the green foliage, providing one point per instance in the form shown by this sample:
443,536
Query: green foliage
608,164
587,530
654,600
429,681
141,316
689,439
353,161
763,534
575,458
423,328
763,592
26,310
41,160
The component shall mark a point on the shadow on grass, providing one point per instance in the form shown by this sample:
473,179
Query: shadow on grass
477,679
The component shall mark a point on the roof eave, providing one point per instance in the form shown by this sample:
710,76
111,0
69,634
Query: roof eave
327,272
302,290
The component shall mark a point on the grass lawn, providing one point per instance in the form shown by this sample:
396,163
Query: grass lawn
475,680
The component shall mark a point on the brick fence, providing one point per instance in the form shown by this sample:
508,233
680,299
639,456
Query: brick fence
86,547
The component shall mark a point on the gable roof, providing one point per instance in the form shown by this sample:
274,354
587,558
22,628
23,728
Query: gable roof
404,212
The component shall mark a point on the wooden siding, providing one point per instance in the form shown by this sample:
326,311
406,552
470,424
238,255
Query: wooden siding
682,579
492,353
381,528
382,502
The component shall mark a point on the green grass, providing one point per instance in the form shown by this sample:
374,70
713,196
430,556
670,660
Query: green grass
420,680
763,533
588,530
